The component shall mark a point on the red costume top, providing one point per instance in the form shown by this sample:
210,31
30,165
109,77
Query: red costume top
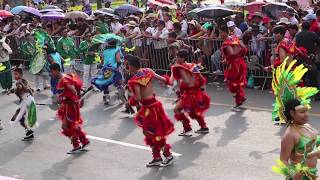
290,48
194,100
237,70
233,41
151,117
69,108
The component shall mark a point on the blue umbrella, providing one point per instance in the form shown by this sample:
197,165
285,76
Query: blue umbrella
17,9
126,9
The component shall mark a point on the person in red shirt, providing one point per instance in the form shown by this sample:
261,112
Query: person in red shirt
151,117
314,21
193,100
234,52
69,86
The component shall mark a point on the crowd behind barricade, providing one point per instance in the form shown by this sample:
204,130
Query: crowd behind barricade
111,47
159,32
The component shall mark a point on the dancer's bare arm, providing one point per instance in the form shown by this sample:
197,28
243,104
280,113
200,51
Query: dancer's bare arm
287,144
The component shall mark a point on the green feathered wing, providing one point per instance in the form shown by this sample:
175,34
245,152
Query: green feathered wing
42,38
284,85
32,115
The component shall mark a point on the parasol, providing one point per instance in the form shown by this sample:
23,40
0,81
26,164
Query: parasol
107,10
53,16
193,13
76,15
31,11
214,12
99,12
102,38
51,8
274,10
254,6
17,9
126,9
5,14
164,3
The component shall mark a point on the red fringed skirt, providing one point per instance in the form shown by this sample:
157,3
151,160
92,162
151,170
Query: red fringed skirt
153,120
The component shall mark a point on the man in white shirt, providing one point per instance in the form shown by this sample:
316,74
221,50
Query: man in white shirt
290,14
115,25
183,22
160,56
160,35
233,30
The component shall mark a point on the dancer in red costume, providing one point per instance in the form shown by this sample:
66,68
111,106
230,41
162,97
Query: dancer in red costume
151,117
286,49
69,87
235,74
192,100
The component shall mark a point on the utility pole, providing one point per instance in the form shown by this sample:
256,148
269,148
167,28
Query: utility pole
99,4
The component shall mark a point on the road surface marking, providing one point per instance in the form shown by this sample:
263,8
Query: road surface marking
247,107
126,144
8,178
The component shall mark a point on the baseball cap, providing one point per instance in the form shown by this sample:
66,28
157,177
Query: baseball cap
230,24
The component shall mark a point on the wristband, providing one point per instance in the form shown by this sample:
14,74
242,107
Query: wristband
132,101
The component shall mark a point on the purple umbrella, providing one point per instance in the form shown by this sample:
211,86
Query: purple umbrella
53,16
32,11
126,9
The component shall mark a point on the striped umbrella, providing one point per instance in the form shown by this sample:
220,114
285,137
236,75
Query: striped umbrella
31,11
53,16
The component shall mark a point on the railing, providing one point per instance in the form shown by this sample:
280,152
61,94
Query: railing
158,56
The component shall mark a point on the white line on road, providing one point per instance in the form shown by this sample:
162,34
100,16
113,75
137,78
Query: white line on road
125,144
248,107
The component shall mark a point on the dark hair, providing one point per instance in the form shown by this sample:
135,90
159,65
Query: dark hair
161,22
279,29
149,11
166,9
183,53
18,70
127,56
172,35
305,25
293,26
111,43
177,25
290,106
55,67
295,3
318,12
273,23
224,28
134,61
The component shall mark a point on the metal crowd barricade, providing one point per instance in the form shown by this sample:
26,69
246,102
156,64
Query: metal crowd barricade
157,55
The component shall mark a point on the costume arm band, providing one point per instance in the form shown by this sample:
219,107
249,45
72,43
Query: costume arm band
167,82
133,101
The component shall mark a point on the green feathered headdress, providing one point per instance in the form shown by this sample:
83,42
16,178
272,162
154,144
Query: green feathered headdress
284,85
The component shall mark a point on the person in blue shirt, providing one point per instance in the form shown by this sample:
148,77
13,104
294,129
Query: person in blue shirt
111,72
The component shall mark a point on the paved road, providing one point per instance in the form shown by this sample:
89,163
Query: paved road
242,145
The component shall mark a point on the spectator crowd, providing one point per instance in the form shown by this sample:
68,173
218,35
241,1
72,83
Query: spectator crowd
159,32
